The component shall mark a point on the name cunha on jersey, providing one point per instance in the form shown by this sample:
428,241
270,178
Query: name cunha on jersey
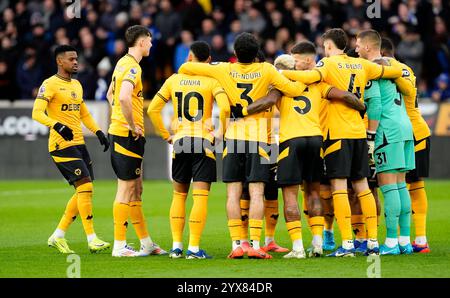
190,83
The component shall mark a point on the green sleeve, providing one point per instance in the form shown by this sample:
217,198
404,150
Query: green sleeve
372,100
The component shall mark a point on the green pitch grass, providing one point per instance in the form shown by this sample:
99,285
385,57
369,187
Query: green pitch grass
30,211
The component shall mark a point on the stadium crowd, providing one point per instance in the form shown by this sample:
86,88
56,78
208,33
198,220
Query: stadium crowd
30,30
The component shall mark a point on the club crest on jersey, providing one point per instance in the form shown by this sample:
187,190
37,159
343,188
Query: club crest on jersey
405,73
73,94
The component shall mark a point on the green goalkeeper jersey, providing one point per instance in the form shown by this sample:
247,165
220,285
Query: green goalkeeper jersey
385,104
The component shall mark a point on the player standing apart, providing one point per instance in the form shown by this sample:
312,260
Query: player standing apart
60,106
128,143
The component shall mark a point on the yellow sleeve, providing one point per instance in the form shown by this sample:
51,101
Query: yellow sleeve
202,69
287,87
375,71
324,89
45,95
87,118
305,76
224,106
132,75
155,108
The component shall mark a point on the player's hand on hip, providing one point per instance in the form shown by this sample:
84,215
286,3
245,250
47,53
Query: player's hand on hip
64,131
169,140
103,140
137,132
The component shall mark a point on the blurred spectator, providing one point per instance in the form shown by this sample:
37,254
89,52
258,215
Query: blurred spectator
29,74
103,72
252,21
7,82
208,31
219,50
236,29
182,49
87,78
441,91
410,50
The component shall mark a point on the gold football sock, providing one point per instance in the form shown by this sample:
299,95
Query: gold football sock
235,226
419,206
138,219
343,213
70,213
369,209
177,215
245,207
358,226
197,218
84,194
294,229
271,217
316,223
121,211
255,226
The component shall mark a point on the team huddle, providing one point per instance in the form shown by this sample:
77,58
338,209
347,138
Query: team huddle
349,124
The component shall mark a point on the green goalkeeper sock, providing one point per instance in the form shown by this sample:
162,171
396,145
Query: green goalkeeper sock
391,209
405,210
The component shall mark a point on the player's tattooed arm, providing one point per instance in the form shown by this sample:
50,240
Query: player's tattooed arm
263,103
350,99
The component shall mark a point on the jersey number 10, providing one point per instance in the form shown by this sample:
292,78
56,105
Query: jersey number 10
184,103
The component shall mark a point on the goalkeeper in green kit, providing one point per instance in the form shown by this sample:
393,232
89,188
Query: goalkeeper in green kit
391,146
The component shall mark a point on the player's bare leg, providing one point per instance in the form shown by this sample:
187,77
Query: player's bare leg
245,207
293,221
256,215
197,220
234,193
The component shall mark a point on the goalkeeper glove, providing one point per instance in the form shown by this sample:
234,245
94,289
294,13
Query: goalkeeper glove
103,140
371,146
64,131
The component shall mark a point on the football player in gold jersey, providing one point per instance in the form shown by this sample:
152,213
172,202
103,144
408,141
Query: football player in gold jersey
415,178
60,106
299,160
244,158
345,145
193,155
128,143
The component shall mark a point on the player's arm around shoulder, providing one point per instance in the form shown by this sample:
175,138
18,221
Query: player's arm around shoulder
263,103
223,102
332,93
212,70
282,83
308,77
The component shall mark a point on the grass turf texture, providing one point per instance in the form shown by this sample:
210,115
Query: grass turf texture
30,211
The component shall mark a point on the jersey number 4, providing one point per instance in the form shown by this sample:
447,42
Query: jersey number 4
184,104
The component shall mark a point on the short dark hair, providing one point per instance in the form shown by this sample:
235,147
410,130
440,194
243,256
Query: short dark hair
387,47
352,53
338,36
304,47
133,33
370,35
201,50
246,47
260,56
64,48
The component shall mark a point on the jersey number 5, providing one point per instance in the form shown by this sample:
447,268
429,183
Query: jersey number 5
307,107
184,103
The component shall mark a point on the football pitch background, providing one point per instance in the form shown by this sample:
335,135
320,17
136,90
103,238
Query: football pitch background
31,209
